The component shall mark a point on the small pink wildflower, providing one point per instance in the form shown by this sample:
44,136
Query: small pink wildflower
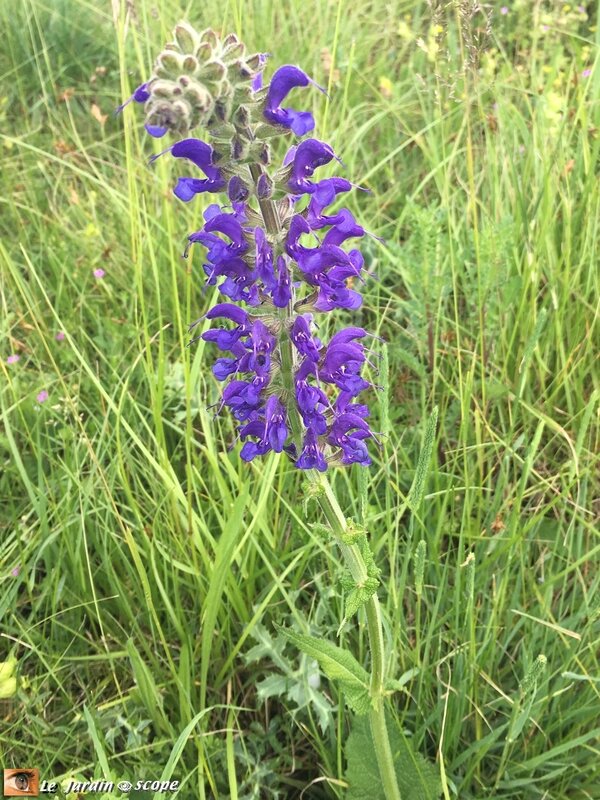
504,10
59,336
586,73
545,28
42,396
13,359
99,273
15,572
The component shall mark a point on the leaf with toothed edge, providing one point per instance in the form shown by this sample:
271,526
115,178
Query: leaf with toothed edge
338,665
418,779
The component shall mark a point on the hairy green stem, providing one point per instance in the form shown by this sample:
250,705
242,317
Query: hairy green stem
354,559
351,553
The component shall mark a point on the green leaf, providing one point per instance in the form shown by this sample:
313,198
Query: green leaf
338,665
398,684
228,540
418,779
418,485
519,719
353,532
272,686
322,531
359,593
359,596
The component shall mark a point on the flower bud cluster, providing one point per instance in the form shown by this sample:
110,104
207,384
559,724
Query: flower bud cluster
198,79
276,251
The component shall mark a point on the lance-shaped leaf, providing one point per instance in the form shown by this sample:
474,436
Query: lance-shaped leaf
338,665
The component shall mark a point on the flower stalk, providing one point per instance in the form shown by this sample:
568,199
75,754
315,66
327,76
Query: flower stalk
356,564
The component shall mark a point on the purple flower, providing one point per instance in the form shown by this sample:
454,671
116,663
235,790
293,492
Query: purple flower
237,191
276,429
12,359
504,10
283,81
59,336
311,456
309,155
310,400
257,81
282,291
99,273
252,449
201,155
15,571
586,73
348,432
42,396
324,194
302,338
141,95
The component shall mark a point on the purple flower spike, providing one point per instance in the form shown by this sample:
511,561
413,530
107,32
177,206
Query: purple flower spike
283,81
278,249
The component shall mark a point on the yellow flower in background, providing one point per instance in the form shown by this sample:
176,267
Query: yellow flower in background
8,678
386,87
404,31
431,46
553,108
90,230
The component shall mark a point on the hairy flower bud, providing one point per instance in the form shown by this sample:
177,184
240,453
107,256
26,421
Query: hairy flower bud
186,37
195,80
264,187
190,65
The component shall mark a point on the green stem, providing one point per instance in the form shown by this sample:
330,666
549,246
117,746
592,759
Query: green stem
354,559
351,553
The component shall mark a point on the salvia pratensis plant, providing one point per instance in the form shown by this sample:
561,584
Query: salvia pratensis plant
281,259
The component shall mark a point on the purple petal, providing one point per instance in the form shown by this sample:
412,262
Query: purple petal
157,131
228,311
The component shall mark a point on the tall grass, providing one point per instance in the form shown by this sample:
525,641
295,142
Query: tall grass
151,562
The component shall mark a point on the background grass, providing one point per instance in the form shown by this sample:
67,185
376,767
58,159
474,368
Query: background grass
142,564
